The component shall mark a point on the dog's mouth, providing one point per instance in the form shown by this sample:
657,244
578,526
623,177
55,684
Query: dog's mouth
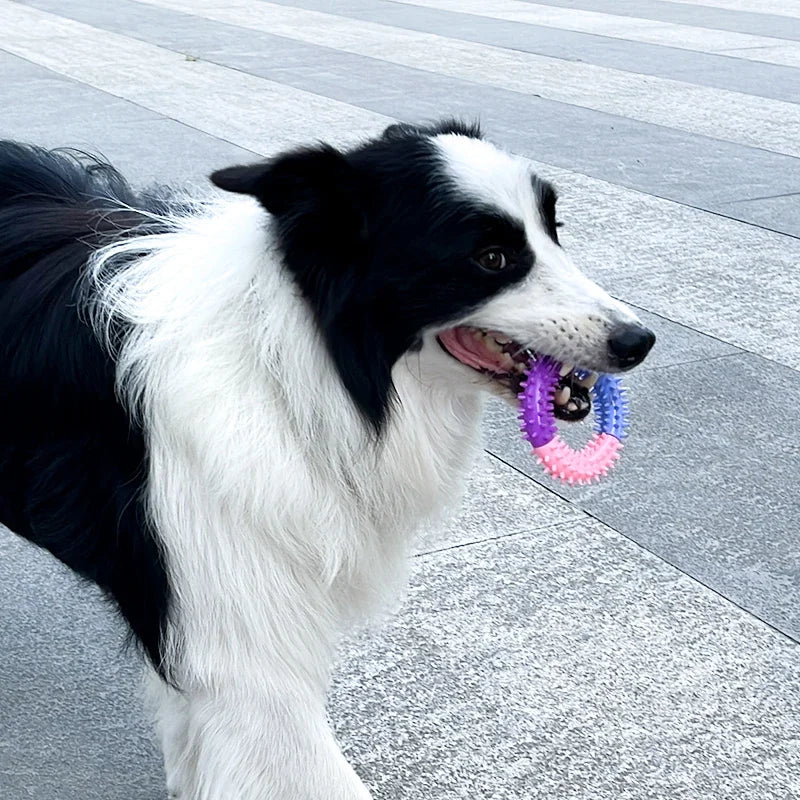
505,362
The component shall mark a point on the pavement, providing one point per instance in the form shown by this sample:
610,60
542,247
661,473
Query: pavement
637,639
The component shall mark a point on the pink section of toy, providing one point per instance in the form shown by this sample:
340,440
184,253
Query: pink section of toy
539,425
579,466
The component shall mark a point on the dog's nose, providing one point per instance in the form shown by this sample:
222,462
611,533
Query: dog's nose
629,344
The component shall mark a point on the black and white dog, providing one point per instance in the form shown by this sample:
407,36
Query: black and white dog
232,414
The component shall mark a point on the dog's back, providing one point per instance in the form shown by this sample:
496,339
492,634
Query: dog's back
72,464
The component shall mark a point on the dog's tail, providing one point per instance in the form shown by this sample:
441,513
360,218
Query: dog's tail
56,200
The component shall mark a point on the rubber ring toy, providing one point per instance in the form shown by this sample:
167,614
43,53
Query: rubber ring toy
611,413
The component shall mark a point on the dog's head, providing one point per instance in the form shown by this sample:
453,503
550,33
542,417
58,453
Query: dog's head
433,241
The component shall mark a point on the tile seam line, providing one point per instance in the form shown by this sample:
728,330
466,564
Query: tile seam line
783,634
683,325
162,117
472,82
706,360
575,517
739,351
777,40
762,197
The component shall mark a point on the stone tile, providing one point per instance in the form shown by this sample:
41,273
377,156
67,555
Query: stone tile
36,96
156,150
607,23
568,663
72,721
774,213
707,480
786,8
678,344
706,69
498,501
762,24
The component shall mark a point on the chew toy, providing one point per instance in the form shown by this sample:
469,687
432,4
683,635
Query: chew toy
597,457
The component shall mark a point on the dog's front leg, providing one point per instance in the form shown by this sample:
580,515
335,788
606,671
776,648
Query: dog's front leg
248,719
244,743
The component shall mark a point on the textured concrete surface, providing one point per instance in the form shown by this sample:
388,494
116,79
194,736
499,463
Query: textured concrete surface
631,640
539,680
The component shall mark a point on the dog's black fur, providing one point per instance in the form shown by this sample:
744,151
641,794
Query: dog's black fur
72,461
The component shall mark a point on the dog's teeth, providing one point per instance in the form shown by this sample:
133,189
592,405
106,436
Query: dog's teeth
566,369
572,406
507,363
562,396
502,340
490,344
589,381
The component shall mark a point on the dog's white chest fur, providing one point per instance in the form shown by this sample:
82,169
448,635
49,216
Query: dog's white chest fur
266,486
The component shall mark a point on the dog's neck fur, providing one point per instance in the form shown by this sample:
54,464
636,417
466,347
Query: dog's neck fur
250,511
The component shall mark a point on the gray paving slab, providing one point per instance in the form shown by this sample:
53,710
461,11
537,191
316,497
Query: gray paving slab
780,27
782,212
672,34
708,478
691,169
35,95
679,344
707,69
569,664
72,724
43,108
147,152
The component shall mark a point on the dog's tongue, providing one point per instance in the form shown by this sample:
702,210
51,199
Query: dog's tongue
468,349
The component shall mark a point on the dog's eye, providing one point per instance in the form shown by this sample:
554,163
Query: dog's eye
492,260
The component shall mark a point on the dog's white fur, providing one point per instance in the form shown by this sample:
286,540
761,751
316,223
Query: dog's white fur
275,537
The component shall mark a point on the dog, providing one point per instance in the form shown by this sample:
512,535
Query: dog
232,413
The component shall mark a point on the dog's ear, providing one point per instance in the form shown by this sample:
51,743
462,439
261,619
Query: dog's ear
295,182
401,130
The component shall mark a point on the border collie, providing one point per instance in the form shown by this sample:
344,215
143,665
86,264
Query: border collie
232,413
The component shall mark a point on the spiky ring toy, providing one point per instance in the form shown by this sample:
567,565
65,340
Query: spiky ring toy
597,457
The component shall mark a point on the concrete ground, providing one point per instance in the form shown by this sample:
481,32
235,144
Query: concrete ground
632,640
